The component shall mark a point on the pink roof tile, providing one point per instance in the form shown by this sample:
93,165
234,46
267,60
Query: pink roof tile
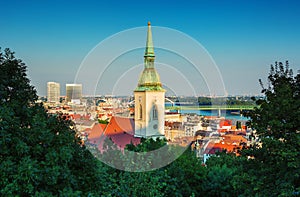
120,130
212,147
119,125
225,123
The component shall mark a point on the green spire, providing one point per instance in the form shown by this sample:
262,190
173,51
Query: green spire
149,79
149,52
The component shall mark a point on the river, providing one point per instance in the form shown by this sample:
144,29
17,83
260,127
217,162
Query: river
224,113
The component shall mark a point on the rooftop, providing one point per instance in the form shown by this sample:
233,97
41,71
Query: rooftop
120,130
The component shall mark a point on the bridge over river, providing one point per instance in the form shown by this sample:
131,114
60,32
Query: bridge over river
230,112
213,107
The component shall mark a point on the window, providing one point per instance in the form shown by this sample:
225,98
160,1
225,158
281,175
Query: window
140,112
154,112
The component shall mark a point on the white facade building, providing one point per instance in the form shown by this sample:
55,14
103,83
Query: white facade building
53,92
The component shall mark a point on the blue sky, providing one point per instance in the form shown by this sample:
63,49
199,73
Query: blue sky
243,37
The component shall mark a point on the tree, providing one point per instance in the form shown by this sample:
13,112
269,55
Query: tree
238,125
229,175
151,183
124,182
40,154
183,177
189,173
277,124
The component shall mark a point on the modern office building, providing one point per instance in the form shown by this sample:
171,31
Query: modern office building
73,93
53,92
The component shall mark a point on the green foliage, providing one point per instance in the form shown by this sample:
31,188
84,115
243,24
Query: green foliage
147,145
278,115
103,121
39,154
186,174
238,125
225,101
277,123
14,84
183,177
219,180
224,172
244,101
211,101
273,169
189,174
153,183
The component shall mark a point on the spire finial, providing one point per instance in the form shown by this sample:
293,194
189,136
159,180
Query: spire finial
149,52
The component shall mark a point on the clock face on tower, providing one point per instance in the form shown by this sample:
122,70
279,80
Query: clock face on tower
155,126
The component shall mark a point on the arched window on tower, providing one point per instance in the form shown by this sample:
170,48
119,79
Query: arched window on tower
154,112
140,112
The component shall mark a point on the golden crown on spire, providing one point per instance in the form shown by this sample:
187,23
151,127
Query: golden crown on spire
149,23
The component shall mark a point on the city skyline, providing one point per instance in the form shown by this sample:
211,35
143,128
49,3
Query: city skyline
243,38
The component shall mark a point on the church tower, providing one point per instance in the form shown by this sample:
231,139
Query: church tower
149,97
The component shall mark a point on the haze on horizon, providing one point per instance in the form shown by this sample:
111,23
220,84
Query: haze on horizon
242,37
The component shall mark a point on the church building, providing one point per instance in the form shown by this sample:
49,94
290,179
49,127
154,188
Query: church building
149,97
149,110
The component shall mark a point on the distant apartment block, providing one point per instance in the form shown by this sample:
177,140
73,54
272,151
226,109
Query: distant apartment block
53,92
191,124
73,93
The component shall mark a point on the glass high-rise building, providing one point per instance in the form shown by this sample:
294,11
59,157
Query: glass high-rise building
73,92
53,92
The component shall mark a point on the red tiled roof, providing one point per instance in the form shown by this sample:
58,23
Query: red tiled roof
75,116
121,140
120,130
230,144
78,116
96,135
212,148
118,125
168,124
230,138
225,123
88,130
97,131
